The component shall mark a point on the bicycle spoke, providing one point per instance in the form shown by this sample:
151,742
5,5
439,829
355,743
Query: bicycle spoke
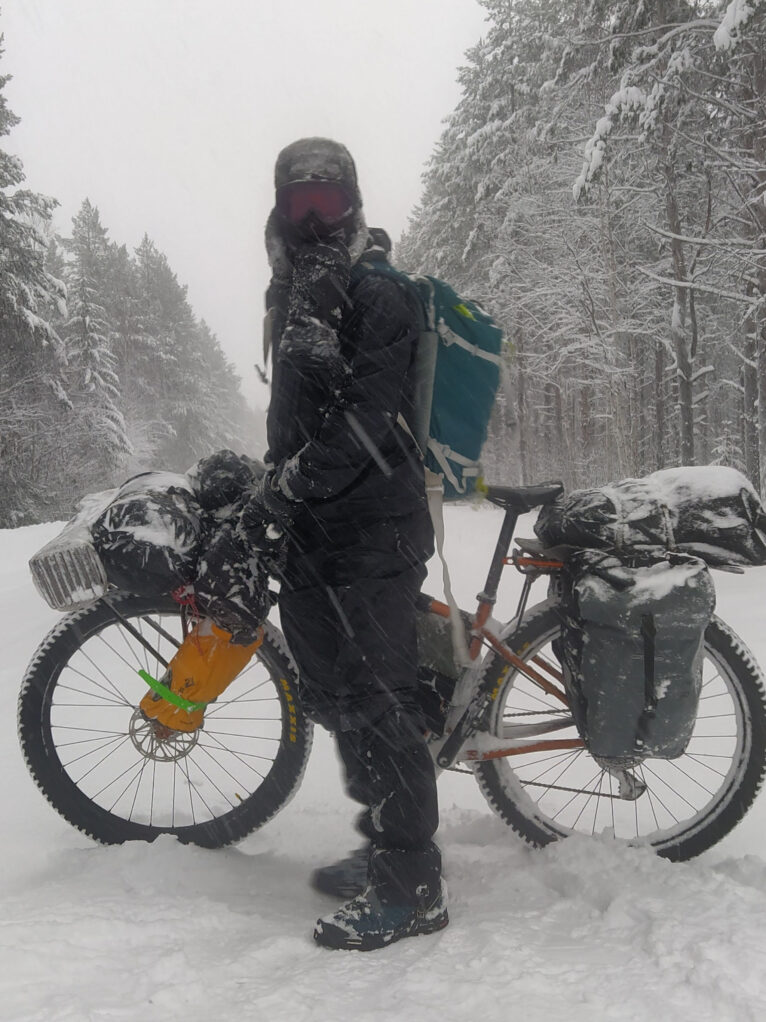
219,764
557,756
567,755
215,708
669,787
107,679
109,693
588,799
658,798
649,797
707,755
237,756
598,802
90,752
694,780
138,788
210,780
95,730
247,755
114,779
250,736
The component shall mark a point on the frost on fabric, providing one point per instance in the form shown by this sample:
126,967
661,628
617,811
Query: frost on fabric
738,14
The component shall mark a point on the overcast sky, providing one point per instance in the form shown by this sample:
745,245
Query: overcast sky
168,114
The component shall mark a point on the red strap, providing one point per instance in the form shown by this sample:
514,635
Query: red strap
185,596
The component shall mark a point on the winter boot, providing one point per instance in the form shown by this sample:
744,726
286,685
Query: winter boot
343,879
366,923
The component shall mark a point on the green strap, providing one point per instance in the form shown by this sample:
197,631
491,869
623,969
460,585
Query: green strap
169,695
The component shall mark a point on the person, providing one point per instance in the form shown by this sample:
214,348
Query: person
346,483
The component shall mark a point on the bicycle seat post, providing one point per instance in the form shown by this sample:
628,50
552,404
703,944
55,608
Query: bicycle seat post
488,596
514,500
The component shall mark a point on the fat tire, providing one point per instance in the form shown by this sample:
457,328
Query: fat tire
746,685
42,758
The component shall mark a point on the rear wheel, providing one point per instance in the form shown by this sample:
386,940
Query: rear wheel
117,776
686,805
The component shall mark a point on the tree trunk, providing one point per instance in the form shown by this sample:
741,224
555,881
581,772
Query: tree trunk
659,404
521,409
750,411
760,359
678,333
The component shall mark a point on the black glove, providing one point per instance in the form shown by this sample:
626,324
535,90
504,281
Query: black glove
267,503
321,274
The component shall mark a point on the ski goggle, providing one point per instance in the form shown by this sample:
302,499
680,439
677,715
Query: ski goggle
328,200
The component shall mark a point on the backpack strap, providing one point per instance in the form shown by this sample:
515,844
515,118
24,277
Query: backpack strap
423,368
435,497
443,455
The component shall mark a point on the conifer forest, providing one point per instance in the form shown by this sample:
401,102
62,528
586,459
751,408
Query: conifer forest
600,188
104,369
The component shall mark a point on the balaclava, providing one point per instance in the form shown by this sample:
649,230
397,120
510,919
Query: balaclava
314,159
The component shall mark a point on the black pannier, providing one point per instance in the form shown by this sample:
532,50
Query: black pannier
631,649
636,597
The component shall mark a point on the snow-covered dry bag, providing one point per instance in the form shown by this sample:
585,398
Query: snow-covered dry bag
710,511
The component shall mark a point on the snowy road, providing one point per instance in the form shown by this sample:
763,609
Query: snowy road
585,930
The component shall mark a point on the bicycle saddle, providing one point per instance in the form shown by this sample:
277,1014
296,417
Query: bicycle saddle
524,498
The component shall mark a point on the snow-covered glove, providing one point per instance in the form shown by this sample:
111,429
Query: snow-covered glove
267,503
321,274
232,582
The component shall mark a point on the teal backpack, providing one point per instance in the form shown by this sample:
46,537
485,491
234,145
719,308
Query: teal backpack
457,374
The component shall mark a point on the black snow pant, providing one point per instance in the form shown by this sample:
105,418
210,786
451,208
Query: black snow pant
347,609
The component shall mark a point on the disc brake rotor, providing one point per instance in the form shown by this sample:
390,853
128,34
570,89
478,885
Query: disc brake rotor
155,741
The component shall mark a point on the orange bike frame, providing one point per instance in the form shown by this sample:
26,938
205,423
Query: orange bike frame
481,634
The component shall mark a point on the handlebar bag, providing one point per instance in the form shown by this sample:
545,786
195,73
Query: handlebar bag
149,536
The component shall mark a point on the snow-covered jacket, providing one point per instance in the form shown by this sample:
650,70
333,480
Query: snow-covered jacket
333,425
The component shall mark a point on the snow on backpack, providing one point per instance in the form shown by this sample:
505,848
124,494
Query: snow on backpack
457,374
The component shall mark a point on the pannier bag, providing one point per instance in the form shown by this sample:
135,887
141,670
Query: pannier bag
712,512
456,376
631,649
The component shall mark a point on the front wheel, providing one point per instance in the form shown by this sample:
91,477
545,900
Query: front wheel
114,775
685,806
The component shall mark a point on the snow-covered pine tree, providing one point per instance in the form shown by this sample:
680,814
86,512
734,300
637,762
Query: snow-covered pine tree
32,394
98,445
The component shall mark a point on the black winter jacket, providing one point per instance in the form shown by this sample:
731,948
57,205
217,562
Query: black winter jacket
332,425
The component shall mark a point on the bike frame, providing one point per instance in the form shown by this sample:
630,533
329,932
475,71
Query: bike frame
465,740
